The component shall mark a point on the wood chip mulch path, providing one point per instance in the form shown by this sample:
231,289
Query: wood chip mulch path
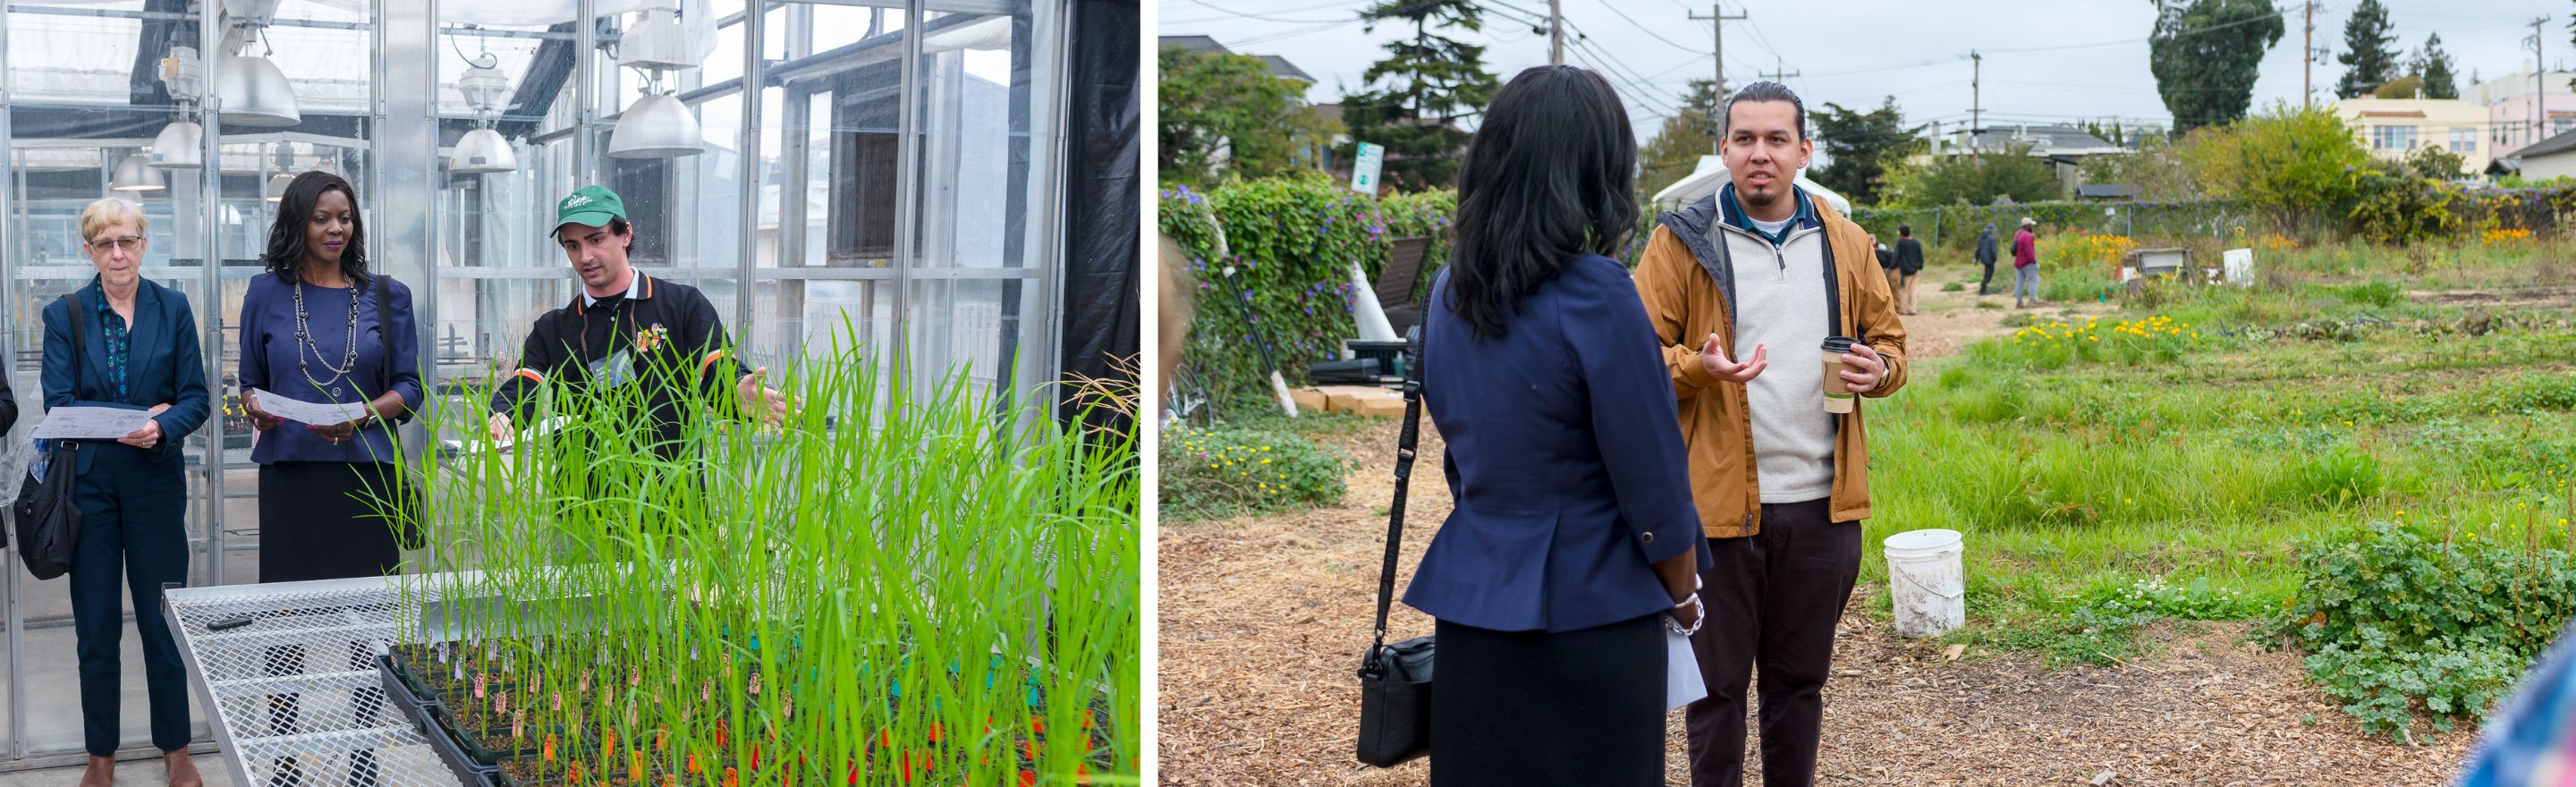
1262,620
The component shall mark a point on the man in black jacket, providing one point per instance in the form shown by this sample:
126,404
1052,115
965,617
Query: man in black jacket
626,327
1909,261
1986,257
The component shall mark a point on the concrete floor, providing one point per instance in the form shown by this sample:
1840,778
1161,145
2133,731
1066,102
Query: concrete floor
131,773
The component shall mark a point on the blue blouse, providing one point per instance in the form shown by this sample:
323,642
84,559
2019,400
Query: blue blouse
112,332
269,362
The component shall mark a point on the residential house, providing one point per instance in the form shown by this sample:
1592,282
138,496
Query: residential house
2394,128
1321,155
1279,66
2524,108
2549,158
2065,147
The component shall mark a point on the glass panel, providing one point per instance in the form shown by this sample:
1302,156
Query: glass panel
969,327
974,102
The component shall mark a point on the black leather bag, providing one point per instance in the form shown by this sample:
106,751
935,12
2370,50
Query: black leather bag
1395,680
48,520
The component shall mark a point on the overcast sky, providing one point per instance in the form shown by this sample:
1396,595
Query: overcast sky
1857,52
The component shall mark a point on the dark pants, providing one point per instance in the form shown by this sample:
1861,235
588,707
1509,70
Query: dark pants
326,520
1984,284
1773,599
131,530
1534,708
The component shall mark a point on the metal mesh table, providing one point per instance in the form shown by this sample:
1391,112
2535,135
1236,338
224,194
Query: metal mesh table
293,697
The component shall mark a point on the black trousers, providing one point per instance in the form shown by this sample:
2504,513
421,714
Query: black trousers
1533,708
1773,600
132,534
1984,283
328,520
321,520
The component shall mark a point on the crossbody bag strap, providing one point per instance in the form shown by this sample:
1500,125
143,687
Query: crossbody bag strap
1405,442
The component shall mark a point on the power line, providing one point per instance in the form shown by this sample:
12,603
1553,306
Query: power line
1641,27
1222,9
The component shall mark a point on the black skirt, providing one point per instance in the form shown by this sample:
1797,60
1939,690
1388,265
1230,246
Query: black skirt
323,520
1533,708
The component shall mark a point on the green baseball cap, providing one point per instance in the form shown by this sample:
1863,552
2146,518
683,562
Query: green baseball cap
589,206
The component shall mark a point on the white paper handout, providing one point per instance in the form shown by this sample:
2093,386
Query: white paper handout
1682,684
90,423
315,413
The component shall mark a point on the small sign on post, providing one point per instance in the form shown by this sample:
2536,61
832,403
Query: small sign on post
1364,166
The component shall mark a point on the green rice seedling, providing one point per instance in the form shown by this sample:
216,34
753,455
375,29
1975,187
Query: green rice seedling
909,579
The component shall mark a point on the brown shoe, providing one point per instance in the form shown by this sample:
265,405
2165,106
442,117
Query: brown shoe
183,771
101,772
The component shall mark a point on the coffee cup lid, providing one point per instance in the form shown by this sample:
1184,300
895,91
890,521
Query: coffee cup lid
1840,344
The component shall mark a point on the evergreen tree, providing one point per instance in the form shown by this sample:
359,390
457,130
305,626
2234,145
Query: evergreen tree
2368,61
1420,90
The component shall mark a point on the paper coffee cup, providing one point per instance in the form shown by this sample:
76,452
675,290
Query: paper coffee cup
1838,395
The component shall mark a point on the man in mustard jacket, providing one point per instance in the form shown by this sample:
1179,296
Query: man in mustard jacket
1781,484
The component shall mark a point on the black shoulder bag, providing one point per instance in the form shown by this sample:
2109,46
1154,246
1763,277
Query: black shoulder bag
1395,680
48,520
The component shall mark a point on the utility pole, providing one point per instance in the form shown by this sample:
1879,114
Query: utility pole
2539,90
1717,18
1976,100
2308,65
1776,72
1555,34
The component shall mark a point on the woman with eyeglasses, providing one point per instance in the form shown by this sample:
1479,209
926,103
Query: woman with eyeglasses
137,350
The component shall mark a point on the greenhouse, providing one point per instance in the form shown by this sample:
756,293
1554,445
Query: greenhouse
922,222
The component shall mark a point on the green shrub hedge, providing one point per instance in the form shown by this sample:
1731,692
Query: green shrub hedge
1291,241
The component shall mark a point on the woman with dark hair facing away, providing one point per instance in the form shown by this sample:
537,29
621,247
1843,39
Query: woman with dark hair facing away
1573,544
312,329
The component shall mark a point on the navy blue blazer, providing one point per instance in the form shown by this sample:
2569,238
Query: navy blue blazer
1565,458
163,364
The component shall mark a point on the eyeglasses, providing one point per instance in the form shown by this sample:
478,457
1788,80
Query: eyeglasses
128,243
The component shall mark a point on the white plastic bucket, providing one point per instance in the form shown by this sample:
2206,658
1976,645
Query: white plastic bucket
1926,582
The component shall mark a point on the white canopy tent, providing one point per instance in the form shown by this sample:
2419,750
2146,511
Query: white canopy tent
1712,174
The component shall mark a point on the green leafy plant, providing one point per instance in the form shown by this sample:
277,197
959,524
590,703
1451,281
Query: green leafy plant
1227,470
2400,620
1291,242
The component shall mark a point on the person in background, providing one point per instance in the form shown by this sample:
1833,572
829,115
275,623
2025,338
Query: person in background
1986,258
1909,262
2025,253
1780,484
1887,264
1551,598
139,351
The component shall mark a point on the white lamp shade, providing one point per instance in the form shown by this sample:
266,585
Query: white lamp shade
254,93
135,173
277,184
181,145
656,126
656,42
482,152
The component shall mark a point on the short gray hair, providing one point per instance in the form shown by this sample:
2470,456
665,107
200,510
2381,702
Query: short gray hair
1765,91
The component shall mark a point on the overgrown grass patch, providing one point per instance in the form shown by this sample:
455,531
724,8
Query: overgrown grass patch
2080,474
